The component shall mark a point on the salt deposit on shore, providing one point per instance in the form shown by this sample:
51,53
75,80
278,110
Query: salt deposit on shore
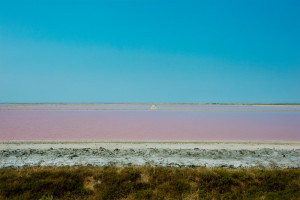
179,154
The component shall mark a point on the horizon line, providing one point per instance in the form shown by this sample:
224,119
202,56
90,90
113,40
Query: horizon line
152,103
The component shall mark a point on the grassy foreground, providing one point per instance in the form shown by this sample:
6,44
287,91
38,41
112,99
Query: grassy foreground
148,183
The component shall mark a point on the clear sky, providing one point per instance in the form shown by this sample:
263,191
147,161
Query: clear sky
150,51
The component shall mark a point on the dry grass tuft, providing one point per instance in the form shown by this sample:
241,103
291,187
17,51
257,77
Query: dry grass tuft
89,183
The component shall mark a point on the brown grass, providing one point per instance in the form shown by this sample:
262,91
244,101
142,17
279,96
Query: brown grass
148,183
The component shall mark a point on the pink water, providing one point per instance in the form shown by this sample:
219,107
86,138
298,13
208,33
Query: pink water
149,125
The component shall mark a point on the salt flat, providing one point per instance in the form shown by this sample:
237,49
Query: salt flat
229,154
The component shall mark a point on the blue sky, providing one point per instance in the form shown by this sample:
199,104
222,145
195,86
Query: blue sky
150,51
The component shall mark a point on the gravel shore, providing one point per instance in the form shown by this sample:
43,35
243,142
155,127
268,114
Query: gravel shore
280,155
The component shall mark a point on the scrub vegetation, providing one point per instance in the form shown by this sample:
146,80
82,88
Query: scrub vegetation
147,182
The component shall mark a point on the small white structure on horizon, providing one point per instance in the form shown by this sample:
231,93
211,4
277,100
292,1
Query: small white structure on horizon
153,107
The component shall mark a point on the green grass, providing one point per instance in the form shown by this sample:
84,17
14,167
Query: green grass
148,183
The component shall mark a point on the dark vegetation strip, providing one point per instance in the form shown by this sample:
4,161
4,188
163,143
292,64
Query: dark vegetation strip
148,183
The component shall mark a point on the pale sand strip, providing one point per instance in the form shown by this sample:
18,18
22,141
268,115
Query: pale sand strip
232,145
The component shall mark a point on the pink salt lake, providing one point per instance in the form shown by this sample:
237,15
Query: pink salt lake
138,122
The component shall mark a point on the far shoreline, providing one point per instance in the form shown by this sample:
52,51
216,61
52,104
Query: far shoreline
158,103
154,141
